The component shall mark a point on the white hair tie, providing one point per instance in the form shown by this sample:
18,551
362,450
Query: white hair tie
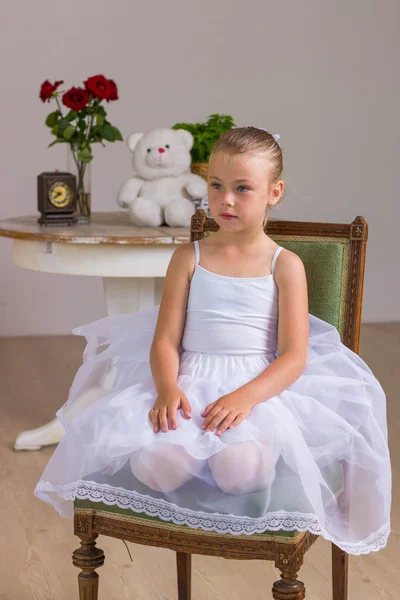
276,136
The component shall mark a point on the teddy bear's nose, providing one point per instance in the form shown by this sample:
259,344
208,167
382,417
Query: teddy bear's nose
161,150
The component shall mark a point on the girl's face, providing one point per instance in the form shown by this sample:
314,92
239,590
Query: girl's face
239,190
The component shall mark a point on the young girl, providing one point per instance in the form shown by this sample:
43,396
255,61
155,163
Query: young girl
229,408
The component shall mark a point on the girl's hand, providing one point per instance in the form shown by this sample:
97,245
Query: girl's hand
227,412
165,407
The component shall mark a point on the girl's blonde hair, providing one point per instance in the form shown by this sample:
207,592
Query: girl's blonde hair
241,140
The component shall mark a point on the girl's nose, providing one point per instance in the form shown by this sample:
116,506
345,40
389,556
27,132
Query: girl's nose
161,150
227,199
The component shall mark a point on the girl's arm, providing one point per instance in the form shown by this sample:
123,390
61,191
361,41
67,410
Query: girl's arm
291,280
292,349
164,353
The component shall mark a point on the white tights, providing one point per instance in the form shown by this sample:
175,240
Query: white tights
241,468
165,469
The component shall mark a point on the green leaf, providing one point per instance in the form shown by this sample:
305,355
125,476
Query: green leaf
52,118
85,154
71,116
95,130
62,125
206,134
94,134
69,132
100,120
107,132
118,135
57,142
56,130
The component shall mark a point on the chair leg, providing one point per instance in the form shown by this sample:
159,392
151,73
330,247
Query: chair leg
289,587
288,561
184,566
340,573
88,558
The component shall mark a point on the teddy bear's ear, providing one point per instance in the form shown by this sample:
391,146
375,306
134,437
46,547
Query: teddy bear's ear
187,138
133,140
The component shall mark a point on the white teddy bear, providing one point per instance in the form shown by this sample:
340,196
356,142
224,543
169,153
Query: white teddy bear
163,189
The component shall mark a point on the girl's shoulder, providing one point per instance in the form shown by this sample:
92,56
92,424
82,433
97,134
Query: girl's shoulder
184,251
285,262
288,267
184,259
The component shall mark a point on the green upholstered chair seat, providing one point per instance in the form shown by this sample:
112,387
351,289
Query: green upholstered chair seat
143,519
332,474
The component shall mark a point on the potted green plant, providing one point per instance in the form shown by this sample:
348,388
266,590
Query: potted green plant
205,135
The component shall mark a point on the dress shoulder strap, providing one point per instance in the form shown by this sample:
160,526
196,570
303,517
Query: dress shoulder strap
197,251
274,258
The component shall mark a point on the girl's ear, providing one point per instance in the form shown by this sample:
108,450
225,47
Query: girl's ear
276,193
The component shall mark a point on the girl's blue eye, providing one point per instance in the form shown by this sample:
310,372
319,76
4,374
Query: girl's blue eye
217,186
242,188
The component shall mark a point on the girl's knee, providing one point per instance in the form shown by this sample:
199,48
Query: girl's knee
243,468
164,469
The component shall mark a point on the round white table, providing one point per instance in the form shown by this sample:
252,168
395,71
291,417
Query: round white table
132,262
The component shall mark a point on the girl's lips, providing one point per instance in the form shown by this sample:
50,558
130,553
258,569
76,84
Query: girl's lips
227,216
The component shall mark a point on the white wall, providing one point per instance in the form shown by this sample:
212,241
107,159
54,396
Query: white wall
322,73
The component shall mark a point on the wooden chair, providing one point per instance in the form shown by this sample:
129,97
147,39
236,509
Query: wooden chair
334,258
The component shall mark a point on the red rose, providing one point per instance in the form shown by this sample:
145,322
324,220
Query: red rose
47,89
114,91
98,86
76,98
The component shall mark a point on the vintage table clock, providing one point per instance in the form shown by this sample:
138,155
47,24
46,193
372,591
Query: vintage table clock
57,198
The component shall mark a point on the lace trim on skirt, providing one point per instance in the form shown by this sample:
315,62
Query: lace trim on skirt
232,524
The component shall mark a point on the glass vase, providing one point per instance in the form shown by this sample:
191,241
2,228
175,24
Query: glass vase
82,172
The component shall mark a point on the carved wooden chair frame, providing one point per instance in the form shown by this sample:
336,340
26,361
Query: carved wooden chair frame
287,554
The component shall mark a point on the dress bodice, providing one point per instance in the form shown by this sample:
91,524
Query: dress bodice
231,315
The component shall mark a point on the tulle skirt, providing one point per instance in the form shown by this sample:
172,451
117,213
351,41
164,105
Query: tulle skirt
313,458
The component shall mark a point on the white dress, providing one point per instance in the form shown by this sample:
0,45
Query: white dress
313,458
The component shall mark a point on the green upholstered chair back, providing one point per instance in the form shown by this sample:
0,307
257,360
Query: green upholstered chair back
326,264
333,256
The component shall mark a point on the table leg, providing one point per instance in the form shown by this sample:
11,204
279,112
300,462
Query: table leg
123,295
127,295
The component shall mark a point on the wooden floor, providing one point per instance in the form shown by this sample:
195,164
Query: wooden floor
36,543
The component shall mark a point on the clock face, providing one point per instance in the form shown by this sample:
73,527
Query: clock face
60,194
